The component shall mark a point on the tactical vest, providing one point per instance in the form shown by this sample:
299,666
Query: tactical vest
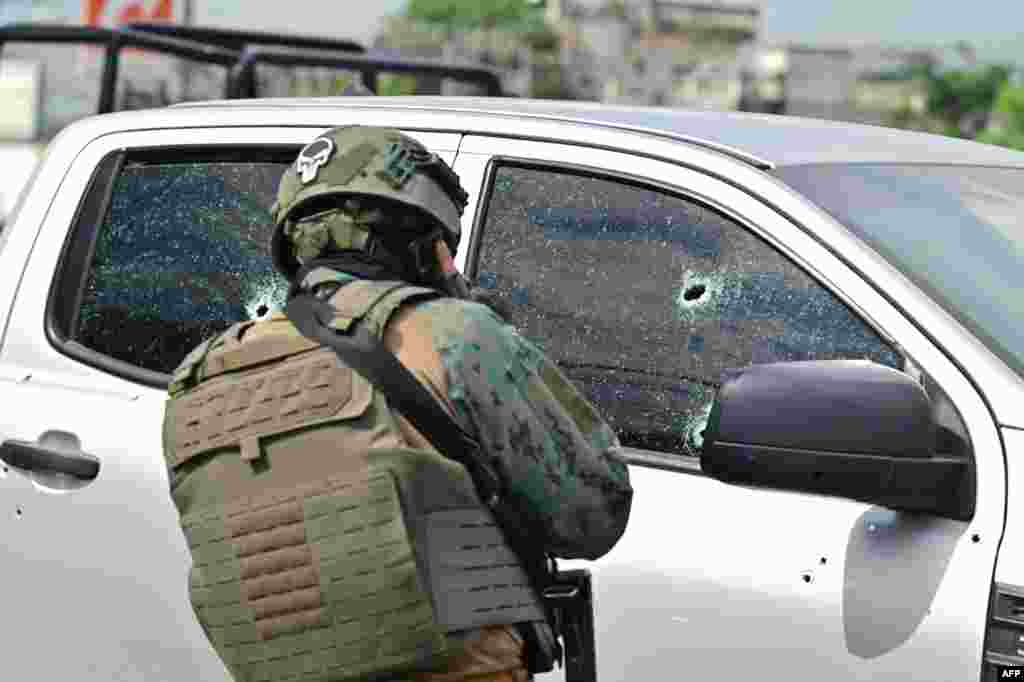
323,547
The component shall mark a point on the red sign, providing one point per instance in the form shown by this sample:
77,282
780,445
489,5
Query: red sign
99,12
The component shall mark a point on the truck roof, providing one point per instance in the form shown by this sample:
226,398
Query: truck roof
764,140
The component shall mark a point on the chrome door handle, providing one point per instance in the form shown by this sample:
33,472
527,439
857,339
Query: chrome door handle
56,451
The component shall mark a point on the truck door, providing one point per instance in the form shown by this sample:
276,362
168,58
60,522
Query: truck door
644,285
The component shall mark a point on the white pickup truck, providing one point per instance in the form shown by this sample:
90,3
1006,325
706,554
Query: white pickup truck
649,252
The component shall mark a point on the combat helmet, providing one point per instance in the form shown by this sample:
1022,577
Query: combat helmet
366,162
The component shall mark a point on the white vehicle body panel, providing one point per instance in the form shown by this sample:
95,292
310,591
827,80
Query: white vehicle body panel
1010,567
708,578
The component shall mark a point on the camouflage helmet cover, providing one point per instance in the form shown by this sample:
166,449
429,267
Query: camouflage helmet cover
367,162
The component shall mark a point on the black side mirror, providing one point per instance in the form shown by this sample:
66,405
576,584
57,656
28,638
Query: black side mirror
848,428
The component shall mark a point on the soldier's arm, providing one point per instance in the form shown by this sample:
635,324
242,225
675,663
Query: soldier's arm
560,459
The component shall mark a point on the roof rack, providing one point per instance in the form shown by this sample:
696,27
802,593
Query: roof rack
238,40
115,40
227,48
242,81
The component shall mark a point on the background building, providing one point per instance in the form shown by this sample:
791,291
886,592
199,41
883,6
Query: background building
660,52
867,84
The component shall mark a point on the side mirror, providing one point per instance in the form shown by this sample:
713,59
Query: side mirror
848,428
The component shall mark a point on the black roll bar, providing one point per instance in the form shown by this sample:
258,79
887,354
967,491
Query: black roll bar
114,40
242,81
233,39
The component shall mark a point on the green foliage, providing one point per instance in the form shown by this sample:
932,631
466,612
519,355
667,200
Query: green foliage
1010,105
1007,125
955,95
542,38
549,80
615,8
396,84
474,13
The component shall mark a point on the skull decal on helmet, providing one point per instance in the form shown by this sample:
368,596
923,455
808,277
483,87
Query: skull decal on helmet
314,156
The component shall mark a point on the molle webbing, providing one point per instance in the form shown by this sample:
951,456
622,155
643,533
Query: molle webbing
240,411
480,577
316,583
342,555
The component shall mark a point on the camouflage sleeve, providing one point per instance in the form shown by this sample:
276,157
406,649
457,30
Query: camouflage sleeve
559,459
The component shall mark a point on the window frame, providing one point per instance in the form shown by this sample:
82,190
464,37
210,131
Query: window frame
63,302
651,458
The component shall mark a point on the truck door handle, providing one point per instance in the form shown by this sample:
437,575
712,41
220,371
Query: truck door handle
64,457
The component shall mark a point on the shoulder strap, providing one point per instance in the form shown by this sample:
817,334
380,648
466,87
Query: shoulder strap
364,353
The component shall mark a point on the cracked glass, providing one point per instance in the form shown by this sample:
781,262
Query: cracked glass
183,253
644,298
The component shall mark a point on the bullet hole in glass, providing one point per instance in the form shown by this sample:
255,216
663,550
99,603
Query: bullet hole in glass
823,561
807,577
975,538
17,512
262,310
694,292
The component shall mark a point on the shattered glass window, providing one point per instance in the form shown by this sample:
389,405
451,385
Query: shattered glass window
182,254
644,298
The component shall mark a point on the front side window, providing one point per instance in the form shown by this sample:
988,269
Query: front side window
181,254
644,297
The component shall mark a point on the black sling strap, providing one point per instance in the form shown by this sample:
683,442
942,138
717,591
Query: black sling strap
365,354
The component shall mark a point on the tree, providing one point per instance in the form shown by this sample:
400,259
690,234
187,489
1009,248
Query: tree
963,98
510,14
1006,127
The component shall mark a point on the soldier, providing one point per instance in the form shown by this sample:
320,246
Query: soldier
330,539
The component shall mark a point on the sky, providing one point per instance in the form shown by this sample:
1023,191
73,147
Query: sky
994,27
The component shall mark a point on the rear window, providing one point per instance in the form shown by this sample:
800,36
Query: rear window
181,254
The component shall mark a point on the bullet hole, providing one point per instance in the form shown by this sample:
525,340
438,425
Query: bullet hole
17,512
823,561
975,538
694,292
817,475
262,310
807,577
